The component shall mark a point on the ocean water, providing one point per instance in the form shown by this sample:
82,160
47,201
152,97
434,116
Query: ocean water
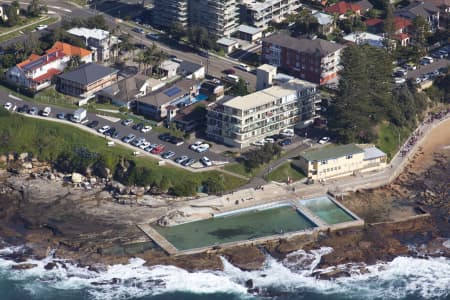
404,278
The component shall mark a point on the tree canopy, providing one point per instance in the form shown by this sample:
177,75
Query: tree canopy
365,96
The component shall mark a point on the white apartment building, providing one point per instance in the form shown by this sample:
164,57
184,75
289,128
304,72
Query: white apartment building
220,17
261,13
241,121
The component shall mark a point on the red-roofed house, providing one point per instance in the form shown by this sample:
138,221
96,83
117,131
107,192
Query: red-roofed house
342,8
36,72
401,25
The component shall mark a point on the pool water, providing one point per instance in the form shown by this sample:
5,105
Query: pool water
238,227
327,210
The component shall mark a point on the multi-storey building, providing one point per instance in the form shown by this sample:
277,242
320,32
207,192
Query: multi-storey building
220,17
37,71
241,121
168,12
261,13
314,60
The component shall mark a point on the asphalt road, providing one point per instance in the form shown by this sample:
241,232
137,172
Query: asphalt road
423,69
123,130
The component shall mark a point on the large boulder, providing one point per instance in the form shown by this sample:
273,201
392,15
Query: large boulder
23,156
77,177
27,165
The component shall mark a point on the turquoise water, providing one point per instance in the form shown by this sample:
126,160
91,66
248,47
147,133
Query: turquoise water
243,226
327,210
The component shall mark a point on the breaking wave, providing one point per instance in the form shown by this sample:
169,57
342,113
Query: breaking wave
292,278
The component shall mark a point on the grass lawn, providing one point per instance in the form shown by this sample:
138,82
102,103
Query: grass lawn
388,138
46,140
241,170
17,32
284,171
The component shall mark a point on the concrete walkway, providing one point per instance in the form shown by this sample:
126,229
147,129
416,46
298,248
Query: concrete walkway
158,239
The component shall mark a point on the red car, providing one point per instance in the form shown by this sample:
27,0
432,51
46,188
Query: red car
158,149
229,71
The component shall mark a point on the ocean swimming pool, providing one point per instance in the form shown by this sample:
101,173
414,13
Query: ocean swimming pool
327,210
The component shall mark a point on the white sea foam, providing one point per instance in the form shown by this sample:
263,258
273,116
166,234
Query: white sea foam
427,278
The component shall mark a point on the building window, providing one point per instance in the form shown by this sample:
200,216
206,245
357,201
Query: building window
349,156
323,162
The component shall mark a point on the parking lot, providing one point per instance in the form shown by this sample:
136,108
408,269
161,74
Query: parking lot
424,69
151,136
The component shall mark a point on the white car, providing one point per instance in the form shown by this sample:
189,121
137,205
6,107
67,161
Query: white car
206,161
41,27
8,106
104,129
269,140
144,145
195,145
287,132
259,143
202,148
146,128
324,140
399,80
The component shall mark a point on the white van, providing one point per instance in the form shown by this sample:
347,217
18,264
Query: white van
244,67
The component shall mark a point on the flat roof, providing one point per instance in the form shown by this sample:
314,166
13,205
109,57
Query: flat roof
249,29
268,95
95,33
226,41
169,94
331,152
267,68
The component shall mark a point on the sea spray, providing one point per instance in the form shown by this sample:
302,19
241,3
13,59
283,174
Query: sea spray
402,278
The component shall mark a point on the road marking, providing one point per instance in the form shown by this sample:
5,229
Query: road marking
14,97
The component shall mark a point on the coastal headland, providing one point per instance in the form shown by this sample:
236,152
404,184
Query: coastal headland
50,215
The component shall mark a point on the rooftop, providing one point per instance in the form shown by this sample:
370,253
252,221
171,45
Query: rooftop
175,91
323,19
169,65
268,95
226,42
360,38
95,33
342,7
267,68
88,73
373,153
332,152
319,46
71,50
248,29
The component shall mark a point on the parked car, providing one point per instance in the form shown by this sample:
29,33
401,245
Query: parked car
276,137
92,124
176,140
8,106
158,149
324,140
164,136
41,27
144,145
146,128
110,131
138,30
138,126
203,148
115,134
104,129
285,142
127,122
33,111
188,162
269,140
152,36
206,161
168,154
399,80
288,132
61,116
195,145
137,141
129,138
23,109
181,159
259,143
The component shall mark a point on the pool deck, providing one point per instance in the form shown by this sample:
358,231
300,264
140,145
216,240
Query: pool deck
158,239
321,225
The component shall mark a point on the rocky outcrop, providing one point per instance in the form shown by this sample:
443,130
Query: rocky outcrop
247,258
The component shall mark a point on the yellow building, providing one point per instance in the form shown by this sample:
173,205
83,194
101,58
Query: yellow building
343,160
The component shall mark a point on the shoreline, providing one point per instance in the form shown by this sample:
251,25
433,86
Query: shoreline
100,230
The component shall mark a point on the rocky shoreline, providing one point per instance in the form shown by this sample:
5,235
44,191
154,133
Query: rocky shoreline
91,222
